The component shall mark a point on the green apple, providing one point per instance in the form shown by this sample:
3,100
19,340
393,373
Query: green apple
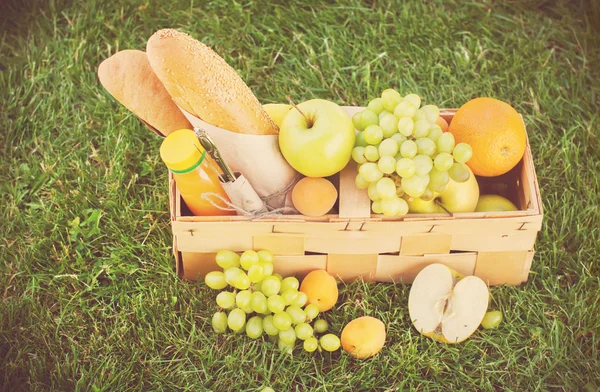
317,138
277,111
458,197
488,203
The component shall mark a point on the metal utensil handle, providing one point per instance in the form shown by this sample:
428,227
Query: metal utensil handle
212,150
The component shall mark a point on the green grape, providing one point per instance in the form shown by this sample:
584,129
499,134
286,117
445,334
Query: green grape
376,105
256,273
391,98
398,156
243,298
310,344
265,256
215,280
406,126
358,154
420,115
360,140
438,180
296,313
369,117
459,172
421,129
432,113
408,149
370,172
258,285
372,191
384,113
357,121
414,99
303,331
443,161
249,258
399,138
427,195
286,348
423,164
492,319
360,182
282,320
267,389
389,125
288,283
405,109
248,309
376,207
236,319
330,342
386,188
258,302
254,327
241,281
288,336
270,285
227,259
405,167
268,326
301,299
219,322
231,273
312,311
226,299
388,148
371,153
373,134
289,296
279,277
321,326
387,164
275,303
394,206
413,186
424,178
445,143
425,146
462,152
435,132
267,267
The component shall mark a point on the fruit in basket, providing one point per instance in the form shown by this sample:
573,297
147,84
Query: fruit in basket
446,305
494,203
321,289
363,337
314,196
495,131
277,111
443,124
317,137
418,157
457,197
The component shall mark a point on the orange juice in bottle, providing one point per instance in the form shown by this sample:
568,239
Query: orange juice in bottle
193,173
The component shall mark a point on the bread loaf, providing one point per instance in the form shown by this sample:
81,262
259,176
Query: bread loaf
202,83
128,77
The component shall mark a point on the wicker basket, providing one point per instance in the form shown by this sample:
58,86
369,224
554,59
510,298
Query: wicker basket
353,243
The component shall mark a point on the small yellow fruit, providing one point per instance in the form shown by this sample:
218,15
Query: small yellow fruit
314,196
321,289
363,337
488,203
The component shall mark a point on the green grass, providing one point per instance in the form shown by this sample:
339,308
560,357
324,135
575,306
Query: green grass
89,300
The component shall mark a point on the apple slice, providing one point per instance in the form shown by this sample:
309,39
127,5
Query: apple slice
446,305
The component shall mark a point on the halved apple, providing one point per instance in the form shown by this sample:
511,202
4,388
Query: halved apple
446,305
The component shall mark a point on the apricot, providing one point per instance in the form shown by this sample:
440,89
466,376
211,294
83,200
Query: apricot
314,196
363,337
321,289
442,123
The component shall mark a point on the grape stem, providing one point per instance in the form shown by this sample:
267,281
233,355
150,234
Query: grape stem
439,203
308,121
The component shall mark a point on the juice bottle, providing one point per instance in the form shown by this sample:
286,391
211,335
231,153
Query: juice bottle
191,167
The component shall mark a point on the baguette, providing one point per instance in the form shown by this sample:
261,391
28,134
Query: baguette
128,77
203,84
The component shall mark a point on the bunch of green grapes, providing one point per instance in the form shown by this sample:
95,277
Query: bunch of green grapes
403,153
254,300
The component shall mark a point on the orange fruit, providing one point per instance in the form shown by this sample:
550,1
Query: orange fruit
321,289
495,132
363,337
314,196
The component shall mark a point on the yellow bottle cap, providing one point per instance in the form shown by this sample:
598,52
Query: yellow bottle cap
181,151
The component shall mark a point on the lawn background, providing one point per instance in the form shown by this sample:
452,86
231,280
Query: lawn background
88,296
